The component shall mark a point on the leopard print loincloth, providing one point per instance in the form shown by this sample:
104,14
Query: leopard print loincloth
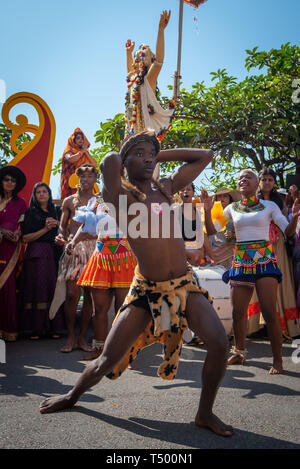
154,294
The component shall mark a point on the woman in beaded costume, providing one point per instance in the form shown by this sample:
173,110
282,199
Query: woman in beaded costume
110,270
286,300
143,110
255,264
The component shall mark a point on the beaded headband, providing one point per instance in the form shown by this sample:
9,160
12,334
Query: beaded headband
86,167
131,140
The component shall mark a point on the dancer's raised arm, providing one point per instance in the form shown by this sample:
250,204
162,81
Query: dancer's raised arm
160,49
195,160
129,60
111,167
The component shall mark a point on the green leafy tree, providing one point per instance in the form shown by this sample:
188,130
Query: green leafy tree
251,123
248,124
6,153
110,136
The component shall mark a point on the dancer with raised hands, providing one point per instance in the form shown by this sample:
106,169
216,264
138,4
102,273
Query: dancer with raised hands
255,264
164,299
143,110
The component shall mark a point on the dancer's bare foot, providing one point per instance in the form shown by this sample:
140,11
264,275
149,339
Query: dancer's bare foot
83,345
55,336
213,423
54,404
69,346
95,353
277,368
236,360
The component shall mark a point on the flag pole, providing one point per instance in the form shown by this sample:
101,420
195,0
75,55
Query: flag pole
177,72
177,76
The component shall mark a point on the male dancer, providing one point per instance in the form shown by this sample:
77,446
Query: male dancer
162,274
73,262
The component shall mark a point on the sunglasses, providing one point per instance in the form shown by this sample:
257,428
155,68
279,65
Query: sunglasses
8,179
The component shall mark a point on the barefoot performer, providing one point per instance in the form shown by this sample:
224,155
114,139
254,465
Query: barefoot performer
108,273
72,263
255,265
163,289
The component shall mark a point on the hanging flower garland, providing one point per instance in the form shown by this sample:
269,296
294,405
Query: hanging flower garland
133,92
133,111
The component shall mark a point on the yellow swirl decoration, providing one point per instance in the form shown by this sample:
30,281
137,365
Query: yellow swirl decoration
35,158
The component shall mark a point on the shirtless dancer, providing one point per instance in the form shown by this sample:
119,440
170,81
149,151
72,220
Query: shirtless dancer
73,263
139,155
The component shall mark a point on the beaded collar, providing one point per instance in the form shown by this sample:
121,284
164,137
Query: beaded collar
249,204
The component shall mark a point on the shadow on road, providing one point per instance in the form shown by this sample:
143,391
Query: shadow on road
237,377
41,369
27,369
27,363
186,434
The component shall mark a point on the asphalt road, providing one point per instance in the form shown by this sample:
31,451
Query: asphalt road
142,411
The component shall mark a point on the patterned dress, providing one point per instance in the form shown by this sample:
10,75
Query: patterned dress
254,255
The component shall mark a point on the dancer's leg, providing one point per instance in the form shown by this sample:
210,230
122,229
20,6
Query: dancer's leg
204,321
72,297
240,299
122,335
266,288
120,295
102,300
86,314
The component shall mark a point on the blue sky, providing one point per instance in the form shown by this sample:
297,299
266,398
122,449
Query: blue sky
71,53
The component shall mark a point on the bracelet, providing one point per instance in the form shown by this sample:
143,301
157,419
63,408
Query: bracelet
238,353
98,344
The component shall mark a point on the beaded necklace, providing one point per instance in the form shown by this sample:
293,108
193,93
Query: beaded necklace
249,204
134,120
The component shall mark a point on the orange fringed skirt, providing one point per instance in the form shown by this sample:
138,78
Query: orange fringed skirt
111,265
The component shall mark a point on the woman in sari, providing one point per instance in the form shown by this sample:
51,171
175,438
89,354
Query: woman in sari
39,272
12,209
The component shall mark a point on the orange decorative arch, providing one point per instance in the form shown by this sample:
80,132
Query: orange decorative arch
35,158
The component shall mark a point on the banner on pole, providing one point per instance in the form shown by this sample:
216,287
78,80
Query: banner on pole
195,3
